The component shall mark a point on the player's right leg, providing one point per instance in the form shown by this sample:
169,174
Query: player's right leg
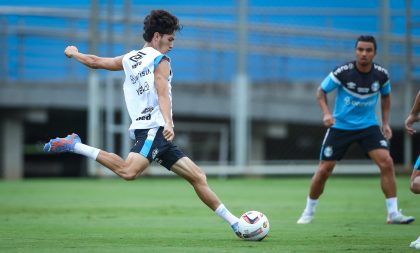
317,188
187,169
333,149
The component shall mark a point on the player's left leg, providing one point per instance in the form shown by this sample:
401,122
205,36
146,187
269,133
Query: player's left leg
385,163
187,169
383,159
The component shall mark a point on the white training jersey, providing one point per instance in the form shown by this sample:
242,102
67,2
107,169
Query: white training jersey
139,89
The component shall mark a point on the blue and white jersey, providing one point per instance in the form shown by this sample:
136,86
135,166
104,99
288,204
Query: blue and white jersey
140,93
357,94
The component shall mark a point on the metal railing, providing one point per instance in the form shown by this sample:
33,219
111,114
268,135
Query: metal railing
33,40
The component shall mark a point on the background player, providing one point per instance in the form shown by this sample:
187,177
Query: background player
359,84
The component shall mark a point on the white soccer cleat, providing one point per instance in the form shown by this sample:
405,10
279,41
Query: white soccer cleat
399,218
306,218
415,244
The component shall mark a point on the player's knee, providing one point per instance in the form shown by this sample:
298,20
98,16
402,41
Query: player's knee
324,172
415,186
129,176
199,177
386,163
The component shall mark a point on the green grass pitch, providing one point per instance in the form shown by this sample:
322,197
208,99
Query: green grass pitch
164,215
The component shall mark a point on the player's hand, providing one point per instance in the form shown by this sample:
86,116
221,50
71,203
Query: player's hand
168,132
70,51
410,121
386,129
328,120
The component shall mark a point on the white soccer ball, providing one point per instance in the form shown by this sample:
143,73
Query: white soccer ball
253,226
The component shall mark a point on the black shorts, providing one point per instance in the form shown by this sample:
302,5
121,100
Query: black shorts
337,141
151,144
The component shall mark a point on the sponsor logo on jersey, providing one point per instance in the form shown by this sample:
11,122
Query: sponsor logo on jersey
362,90
145,117
143,88
135,78
375,86
381,69
137,57
147,110
348,101
351,85
135,65
343,68
328,151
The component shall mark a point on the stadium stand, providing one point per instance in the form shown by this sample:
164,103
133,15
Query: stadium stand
291,47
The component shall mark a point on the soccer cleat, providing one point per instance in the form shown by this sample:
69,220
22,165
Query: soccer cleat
235,228
415,244
59,145
399,218
306,218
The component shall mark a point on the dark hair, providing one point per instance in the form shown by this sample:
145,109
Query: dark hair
366,38
160,21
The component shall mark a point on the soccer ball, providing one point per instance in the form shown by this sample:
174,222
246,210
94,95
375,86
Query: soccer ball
253,226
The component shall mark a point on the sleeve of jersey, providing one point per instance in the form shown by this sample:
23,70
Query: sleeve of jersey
158,59
386,88
330,83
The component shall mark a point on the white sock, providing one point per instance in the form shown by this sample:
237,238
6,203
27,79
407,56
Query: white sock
224,213
310,205
88,151
392,205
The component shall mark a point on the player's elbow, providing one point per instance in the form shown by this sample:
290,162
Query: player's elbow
320,93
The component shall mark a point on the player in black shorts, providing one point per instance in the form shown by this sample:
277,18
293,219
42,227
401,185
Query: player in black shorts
147,90
358,85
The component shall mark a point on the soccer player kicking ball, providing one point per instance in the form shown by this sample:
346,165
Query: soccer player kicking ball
415,176
147,90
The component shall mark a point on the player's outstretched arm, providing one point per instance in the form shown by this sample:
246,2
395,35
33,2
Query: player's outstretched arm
93,61
413,116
